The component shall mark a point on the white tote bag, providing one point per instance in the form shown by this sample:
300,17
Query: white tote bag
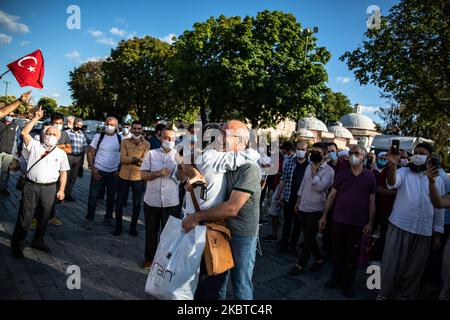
176,266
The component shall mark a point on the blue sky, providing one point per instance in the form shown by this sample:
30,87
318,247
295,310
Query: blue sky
30,24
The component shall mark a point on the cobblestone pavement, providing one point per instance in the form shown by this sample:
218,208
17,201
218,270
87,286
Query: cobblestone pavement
110,266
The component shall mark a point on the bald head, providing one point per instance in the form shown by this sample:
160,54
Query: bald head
52,131
236,135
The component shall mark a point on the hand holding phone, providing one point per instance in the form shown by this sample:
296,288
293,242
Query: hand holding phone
395,147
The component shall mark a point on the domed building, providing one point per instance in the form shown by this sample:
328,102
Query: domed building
313,130
361,127
342,136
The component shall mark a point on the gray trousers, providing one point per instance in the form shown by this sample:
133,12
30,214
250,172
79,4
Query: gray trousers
5,161
75,162
32,196
404,259
445,291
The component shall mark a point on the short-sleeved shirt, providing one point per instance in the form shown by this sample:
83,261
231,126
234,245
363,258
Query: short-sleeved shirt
65,138
352,200
107,157
245,179
342,164
47,170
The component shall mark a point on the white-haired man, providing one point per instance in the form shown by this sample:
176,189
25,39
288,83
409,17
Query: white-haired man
46,165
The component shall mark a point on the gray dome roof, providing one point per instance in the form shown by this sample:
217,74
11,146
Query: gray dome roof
339,131
357,120
305,133
312,123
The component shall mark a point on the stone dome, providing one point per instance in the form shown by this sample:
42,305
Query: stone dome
340,131
356,120
305,133
312,123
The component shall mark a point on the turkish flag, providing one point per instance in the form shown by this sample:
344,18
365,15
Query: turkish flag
29,70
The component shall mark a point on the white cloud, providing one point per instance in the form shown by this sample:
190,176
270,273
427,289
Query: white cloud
168,39
92,59
117,32
10,22
107,41
5,39
24,43
56,95
95,33
343,79
370,109
73,55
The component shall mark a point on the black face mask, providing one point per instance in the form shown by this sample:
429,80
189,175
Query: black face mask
76,128
316,157
416,168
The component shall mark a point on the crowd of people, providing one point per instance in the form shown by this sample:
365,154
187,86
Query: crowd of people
393,201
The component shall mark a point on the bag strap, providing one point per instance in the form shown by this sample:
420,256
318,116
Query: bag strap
39,160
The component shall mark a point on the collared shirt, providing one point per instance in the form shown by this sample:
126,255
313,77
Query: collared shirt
413,211
155,143
352,199
48,169
78,141
313,190
341,164
288,170
129,149
162,192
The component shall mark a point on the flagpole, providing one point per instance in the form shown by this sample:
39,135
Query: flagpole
1,76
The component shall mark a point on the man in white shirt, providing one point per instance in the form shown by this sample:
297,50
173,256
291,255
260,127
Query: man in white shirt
161,197
415,226
46,165
103,156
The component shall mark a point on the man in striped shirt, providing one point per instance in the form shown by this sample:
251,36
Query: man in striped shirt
76,157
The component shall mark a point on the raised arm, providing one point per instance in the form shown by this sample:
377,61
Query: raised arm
13,106
29,126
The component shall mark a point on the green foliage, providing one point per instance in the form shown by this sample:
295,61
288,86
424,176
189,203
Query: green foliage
408,57
334,105
49,105
6,100
252,69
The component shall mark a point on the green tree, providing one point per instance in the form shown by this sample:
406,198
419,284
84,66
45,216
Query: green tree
91,100
255,69
408,57
5,100
334,105
136,75
49,105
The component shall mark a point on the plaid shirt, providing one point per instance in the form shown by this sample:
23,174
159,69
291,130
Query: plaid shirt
288,170
78,141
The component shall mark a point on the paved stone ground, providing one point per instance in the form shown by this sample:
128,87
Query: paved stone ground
110,266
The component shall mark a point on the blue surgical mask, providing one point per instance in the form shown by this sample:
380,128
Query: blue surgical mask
382,163
333,156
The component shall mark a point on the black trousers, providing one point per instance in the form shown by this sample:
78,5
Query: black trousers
310,224
32,196
327,233
291,225
75,162
433,269
208,287
122,196
108,181
345,251
155,220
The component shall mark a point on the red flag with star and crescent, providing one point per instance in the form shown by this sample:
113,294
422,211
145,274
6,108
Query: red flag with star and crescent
29,70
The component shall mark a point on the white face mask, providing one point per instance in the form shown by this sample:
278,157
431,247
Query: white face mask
137,137
300,154
126,131
50,141
109,129
404,162
59,126
354,160
419,159
168,145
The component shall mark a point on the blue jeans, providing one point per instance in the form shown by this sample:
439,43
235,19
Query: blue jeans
244,255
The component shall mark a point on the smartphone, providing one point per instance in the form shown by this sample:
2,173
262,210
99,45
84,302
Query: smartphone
435,162
395,146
